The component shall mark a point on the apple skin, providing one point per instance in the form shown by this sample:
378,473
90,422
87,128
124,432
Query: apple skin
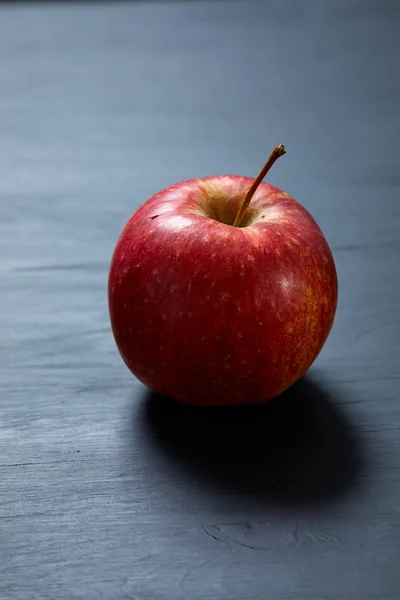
211,314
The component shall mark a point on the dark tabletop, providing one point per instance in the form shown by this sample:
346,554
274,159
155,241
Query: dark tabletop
110,493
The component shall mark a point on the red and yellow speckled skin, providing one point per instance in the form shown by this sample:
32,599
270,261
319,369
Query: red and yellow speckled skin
212,314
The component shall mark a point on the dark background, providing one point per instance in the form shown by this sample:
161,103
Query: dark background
108,493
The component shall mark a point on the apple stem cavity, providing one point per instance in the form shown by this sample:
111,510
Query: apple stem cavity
275,154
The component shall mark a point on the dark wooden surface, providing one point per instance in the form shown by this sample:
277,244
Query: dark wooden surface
107,493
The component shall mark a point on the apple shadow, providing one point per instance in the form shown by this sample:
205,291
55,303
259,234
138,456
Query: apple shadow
297,448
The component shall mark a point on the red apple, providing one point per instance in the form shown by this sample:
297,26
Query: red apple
215,301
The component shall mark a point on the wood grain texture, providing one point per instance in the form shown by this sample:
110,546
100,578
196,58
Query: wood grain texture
106,491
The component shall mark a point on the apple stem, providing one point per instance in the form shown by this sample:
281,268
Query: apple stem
275,154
